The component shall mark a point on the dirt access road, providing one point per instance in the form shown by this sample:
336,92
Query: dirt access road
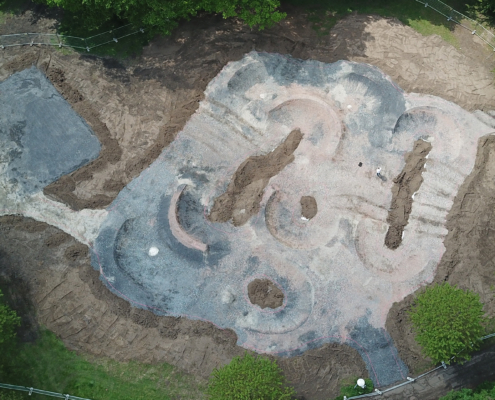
137,106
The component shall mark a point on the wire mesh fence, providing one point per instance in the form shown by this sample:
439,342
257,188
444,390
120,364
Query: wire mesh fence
458,18
31,390
54,39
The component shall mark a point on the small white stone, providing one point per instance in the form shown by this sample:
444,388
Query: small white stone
305,219
228,297
349,107
153,251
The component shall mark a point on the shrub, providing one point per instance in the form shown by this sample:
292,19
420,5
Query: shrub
162,17
486,391
9,321
249,378
448,322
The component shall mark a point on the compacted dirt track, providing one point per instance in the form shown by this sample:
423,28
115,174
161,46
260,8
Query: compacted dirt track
137,106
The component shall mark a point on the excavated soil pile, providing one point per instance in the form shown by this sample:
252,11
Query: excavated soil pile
309,208
265,294
242,199
469,259
406,184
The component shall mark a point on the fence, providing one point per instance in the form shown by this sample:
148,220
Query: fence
54,39
31,390
460,19
409,380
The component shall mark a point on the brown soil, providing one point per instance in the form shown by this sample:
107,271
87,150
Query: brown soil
309,208
406,184
264,293
318,374
469,259
242,199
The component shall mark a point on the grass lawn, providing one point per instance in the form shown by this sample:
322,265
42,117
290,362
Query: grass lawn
48,365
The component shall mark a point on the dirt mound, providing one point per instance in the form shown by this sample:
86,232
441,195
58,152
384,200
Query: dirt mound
242,199
264,293
309,208
469,259
406,184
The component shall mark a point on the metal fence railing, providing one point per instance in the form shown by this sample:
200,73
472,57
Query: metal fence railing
409,380
450,14
54,39
31,390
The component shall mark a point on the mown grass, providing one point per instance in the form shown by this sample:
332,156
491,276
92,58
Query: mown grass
48,365
324,14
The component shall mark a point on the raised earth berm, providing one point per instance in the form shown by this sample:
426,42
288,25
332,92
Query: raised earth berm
274,180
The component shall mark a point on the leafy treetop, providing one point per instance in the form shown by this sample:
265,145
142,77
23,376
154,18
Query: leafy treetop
448,322
249,378
161,16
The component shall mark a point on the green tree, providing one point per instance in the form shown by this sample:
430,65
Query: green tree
161,16
485,391
448,322
483,9
9,321
249,378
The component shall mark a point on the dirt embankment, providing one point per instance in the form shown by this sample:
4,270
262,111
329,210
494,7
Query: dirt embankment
49,280
469,259
405,185
243,196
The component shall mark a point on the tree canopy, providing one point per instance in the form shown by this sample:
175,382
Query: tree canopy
448,322
161,16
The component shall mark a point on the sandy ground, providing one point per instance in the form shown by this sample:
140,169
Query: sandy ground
137,107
